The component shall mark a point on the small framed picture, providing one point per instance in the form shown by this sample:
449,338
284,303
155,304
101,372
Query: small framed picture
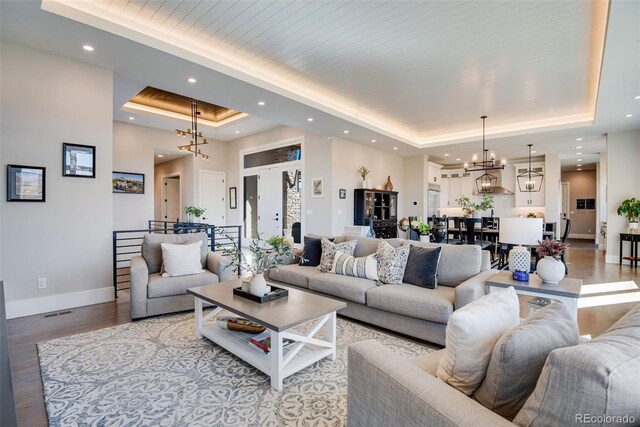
26,183
233,198
317,187
128,183
78,160
342,193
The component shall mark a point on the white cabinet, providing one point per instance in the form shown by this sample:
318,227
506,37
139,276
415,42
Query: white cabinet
526,199
466,185
444,189
433,173
454,188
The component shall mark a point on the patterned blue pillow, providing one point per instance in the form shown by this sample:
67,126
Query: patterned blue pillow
391,263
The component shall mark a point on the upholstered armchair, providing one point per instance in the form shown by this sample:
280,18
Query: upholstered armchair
152,294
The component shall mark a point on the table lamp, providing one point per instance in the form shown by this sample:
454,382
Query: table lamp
520,231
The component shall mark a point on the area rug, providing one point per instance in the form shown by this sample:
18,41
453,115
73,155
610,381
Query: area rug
156,373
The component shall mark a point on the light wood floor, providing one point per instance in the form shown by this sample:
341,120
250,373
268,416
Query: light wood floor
25,332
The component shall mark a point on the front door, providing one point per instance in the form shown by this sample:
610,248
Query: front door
212,197
269,203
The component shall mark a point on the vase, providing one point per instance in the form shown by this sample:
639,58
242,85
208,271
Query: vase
258,285
425,238
633,226
288,237
389,185
550,270
476,214
363,184
519,259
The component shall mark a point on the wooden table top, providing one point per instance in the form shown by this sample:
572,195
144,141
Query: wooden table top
567,287
278,315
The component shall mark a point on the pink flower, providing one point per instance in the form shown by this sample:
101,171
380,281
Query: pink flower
552,248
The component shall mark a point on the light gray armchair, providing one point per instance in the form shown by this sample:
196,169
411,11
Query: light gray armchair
152,294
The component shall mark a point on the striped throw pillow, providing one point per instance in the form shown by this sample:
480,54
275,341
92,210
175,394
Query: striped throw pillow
348,265
181,260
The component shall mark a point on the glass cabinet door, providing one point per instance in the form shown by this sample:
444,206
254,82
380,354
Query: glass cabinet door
368,205
393,211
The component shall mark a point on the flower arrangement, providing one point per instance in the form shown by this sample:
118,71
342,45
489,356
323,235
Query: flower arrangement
265,254
469,207
363,171
420,226
552,248
195,211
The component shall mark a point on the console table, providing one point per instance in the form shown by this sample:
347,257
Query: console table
633,239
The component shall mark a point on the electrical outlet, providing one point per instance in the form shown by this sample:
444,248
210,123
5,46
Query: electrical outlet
42,283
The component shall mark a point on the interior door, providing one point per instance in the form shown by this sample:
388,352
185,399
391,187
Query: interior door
212,197
566,207
171,199
270,203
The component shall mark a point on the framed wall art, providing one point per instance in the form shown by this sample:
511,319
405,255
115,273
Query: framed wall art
128,183
317,187
78,160
233,198
26,183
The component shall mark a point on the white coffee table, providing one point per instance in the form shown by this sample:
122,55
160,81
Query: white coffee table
567,291
279,316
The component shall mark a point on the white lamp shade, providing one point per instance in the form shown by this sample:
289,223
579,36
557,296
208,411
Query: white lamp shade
520,231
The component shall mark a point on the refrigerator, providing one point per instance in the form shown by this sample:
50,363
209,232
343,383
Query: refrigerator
433,202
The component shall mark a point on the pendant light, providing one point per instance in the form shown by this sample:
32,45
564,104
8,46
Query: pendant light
485,183
530,181
196,137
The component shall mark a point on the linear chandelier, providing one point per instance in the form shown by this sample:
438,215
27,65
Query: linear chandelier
530,181
485,183
196,137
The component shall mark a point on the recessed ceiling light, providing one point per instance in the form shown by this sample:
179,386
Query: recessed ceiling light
457,160
578,147
160,155
261,103
346,131
578,154
191,80
373,140
309,119
446,154
395,148
131,118
636,97
534,152
237,131
579,160
628,115
579,169
88,48
578,139
579,165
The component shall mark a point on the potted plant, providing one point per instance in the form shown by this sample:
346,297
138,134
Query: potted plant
630,209
473,209
193,211
550,268
422,228
363,172
264,256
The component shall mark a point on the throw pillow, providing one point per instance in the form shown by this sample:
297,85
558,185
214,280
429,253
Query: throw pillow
348,265
329,250
422,266
181,260
311,252
518,358
471,334
391,263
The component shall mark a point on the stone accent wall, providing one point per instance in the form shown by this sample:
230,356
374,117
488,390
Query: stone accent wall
292,203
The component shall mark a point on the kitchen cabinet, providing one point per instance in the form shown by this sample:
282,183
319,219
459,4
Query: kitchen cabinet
444,189
453,185
526,199
433,173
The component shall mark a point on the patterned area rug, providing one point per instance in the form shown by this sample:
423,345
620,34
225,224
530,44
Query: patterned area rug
156,373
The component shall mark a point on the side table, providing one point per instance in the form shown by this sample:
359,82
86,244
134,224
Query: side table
567,291
633,239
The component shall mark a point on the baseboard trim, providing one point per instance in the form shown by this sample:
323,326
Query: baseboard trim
582,236
31,306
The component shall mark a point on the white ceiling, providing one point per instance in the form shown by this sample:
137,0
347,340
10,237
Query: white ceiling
396,72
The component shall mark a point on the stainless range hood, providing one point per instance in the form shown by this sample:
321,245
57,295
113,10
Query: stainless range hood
506,181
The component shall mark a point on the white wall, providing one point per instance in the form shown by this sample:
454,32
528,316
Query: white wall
601,198
133,151
317,164
45,101
183,167
552,189
347,157
415,186
623,182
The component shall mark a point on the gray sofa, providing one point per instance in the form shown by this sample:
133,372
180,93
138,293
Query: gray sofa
152,294
408,309
595,378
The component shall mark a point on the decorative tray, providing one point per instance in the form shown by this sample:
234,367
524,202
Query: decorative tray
275,293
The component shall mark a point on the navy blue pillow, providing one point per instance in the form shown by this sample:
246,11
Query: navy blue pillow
312,252
422,267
